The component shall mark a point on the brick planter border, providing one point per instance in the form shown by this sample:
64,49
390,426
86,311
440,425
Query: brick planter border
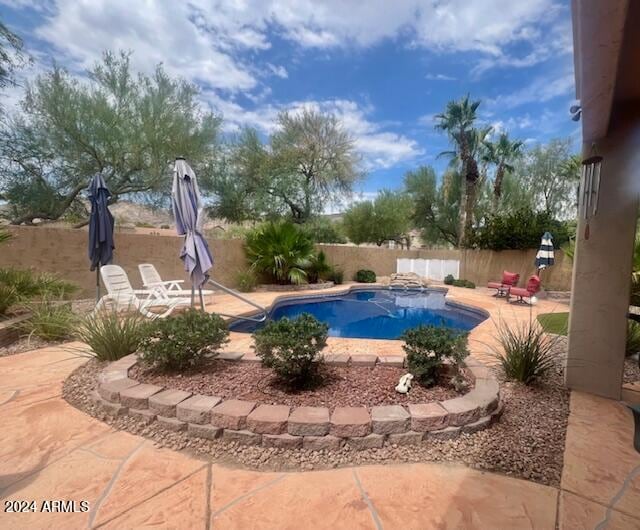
314,428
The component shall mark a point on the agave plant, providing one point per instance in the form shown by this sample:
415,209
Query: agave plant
280,251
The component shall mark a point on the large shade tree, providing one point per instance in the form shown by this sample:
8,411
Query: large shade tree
458,122
12,56
128,127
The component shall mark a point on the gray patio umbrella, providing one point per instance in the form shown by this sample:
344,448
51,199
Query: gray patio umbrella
188,211
545,257
100,227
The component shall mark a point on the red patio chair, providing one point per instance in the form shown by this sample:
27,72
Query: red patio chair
533,286
509,280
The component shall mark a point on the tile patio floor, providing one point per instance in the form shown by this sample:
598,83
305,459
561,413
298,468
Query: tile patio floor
49,450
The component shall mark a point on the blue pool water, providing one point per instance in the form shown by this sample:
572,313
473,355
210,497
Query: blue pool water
375,314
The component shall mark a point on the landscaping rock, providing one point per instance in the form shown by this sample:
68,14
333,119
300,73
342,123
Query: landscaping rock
391,360
137,397
445,434
461,410
242,436
110,390
486,394
114,409
336,359
144,415
405,438
232,414
350,422
230,355
197,409
428,417
164,403
208,432
309,421
171,424
268,419
389,419
284,441
371,441
476,426
364,360
319,443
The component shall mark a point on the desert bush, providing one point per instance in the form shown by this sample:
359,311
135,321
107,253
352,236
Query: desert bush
633,338
51,319
183,341
4,235
427,348
528,352
112,335
29,284
8,298
165,227
246,281
464,283
292,348
449,279
336,276
365,276
318,267
280,251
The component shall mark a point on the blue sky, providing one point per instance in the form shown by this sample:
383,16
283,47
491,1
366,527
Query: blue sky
385,68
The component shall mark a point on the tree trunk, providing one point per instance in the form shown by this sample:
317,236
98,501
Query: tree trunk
470,189
497,187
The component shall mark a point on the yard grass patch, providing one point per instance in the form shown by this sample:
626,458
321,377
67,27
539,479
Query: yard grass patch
557,323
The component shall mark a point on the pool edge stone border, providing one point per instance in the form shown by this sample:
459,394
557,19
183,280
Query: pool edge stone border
234,420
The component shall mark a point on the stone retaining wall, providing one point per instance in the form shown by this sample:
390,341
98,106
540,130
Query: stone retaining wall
313,428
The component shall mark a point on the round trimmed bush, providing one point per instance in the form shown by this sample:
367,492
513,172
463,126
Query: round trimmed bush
366,276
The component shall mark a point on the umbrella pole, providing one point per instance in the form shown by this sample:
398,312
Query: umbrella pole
98,283
193,294
201,298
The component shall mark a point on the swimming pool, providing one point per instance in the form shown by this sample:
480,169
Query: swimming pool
375,313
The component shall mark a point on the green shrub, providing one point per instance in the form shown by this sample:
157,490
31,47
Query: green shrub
281,251
427,348
323,230
520,229
449,279
144,224
292,347
29,284
8,297
51,319
183,341
112,335
528,353
464,283
365,276
633,338
246,281
165,227
336,276
4,235
318,268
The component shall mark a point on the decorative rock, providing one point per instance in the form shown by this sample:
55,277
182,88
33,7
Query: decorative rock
318,443
486,394
391,360
137,397
427,417
251,357
405,438
284,441
232,414
309,421
349,422
336,359
364,360
204,431
144,415
445,434
196,409
110,390
164,403
366,442
476,426
388,419
268,419
243,437
114,409
171,424
230,355
126,362
461,410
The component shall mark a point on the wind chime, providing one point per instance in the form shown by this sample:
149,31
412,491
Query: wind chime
590,188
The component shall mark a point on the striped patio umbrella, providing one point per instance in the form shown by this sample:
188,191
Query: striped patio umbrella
544,257
100,227
188,211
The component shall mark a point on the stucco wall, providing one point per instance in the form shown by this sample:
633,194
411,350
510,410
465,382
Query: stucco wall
64,251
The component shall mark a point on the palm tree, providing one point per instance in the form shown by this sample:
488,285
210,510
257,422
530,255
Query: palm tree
457,121
502,154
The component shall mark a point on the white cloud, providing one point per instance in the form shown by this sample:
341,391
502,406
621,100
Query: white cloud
539,90
440,77
278,70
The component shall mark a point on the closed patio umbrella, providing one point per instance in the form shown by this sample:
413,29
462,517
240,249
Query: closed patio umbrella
188,211
544,257
100,227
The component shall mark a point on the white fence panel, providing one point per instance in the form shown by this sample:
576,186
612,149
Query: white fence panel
432,269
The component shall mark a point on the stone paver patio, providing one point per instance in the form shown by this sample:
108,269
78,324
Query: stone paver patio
51,451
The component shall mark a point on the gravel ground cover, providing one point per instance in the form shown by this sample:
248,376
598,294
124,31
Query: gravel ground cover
26,344
631,370
527,441
342,385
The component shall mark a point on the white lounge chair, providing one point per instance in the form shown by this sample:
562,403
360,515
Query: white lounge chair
152,280
123,296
